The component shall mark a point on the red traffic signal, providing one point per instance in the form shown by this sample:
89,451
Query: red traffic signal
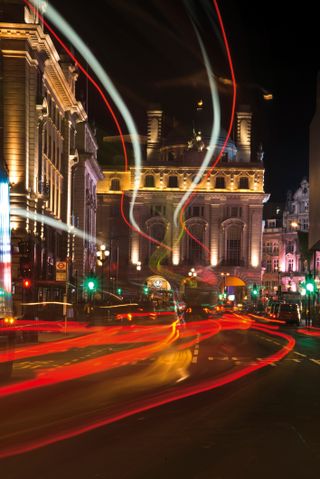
26,283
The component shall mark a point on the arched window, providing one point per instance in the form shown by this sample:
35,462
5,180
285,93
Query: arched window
233,245
149,181
173,182
115,184
220,182
157,231
244,183
195,250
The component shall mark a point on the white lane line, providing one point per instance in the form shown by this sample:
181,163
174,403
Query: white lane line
234,358
300,354
316,361
195,359
210,358
196,352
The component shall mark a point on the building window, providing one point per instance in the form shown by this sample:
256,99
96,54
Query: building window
244,183
318,264
233,245
115,184
305,224
275,248
233,211
158,210
271,223
267,247
173,182
195,211
275,265
220,182
149,181
195,250
269,266
290,247
290,265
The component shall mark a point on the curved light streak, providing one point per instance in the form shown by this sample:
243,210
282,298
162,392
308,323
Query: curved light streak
214,132
163,398
54,223
95,65
233,108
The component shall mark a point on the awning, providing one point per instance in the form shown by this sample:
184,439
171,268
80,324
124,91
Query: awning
234,281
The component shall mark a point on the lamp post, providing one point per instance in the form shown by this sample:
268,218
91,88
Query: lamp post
224,276
102,256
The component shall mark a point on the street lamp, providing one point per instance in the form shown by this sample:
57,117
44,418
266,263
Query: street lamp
192,273
102,256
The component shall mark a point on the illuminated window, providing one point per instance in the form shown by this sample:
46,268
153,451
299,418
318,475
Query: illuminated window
244,183
115,184
233,245
149,181
290,264
220,182
275,265
173,182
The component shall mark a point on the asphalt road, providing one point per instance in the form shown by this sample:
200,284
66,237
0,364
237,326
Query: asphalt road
265,425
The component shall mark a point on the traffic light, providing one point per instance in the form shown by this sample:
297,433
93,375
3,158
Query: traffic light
145,290
255,290
91,284
26,283
119,291
310,284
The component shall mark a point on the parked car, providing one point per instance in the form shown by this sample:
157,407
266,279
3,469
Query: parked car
290,313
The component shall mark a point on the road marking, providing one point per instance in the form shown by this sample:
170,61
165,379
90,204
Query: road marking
210,358
196,352
234,358
300,354
316,361
195,359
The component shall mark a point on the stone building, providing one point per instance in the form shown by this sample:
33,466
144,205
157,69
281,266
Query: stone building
47,147
285,243
225,214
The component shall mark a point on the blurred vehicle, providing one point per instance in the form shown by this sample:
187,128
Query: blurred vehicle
272,309
288,312
194,312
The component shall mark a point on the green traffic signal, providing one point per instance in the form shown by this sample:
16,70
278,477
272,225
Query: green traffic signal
145,289
255,291
91,284
310,285
119,291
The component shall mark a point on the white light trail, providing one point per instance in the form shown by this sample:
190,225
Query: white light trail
54,223
214,132
106,81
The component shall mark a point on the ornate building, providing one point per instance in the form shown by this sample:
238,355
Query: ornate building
47,147
225,213
285,243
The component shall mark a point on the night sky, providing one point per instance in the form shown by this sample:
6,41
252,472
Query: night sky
150,51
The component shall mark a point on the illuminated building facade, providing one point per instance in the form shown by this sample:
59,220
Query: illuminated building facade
285,243
41,148
225,214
